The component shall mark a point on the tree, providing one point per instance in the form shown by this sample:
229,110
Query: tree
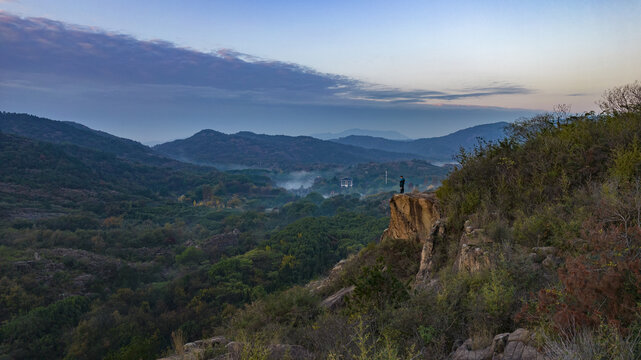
622,99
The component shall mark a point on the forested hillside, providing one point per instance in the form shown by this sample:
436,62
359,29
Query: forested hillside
540,231
101,257
271,151
67,132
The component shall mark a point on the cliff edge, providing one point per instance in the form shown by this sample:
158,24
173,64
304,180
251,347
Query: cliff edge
412,216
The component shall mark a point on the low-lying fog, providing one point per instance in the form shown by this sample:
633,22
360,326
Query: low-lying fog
296,180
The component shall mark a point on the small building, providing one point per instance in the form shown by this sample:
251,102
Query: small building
347,182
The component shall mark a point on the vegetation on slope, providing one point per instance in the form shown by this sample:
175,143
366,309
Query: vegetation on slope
269,151
104,258
67,132
568,184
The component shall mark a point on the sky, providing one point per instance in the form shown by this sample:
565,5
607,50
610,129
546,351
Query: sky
159,70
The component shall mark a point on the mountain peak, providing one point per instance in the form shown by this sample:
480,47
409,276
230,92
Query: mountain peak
386,134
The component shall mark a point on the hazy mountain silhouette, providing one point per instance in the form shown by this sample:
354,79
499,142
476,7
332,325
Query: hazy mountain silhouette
390,134
67,132
441,148
279,151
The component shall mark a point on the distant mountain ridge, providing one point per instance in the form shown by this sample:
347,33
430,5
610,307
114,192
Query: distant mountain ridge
441,149
387,134
67,132
213,148
270,151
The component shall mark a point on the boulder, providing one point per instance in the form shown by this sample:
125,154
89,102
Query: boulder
194,350
506,346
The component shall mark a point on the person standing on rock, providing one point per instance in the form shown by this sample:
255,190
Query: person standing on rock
402,183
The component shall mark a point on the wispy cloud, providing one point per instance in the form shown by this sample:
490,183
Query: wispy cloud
420,96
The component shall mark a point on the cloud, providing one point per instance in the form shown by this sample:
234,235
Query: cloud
152,90
36,45
420,96
46,47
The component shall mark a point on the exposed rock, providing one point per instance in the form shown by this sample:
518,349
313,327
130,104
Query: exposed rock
426,266
205,343
81,281
472,259
196,349
507,346
535,258
473,255
499,342
545,250
475,237
338,298
412,216
317,286
218,242
521,335
551,262
465,352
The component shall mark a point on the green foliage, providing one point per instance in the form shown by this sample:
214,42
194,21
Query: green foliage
427,333
43,332
627,162
376,288
191,255
497,294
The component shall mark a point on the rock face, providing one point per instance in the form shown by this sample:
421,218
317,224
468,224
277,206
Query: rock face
514,346
426,267
318,286
473,255
412,216
415,216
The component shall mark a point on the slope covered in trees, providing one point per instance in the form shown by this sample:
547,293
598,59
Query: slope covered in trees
67,132
102,257
551,215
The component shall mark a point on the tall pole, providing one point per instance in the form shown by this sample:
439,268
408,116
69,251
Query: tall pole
385,177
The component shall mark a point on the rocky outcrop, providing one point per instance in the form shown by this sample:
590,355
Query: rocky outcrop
473,254
320,285
198,349
507,346
338,298
426,266
416,216
412,216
